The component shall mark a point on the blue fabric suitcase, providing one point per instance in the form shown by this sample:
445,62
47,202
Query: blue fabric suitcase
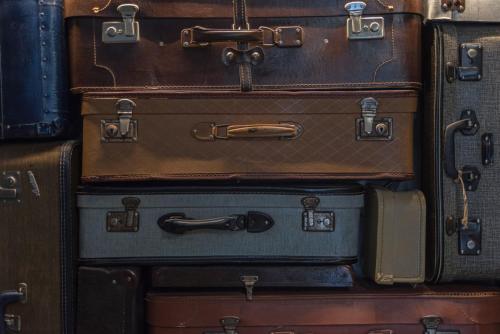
33,82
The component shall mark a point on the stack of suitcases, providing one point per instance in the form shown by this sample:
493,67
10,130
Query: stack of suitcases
284,166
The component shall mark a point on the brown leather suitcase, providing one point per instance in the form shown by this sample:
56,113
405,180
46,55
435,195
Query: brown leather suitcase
462,310
169,135
258,44
38,237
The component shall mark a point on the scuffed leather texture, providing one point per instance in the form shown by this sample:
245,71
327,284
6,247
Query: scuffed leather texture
33,77
327,148
223,8
38,238
110,301
326,60
357,311
395,229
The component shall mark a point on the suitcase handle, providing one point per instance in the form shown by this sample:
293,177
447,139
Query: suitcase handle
253,222
468,125
283,37
11,297
211,131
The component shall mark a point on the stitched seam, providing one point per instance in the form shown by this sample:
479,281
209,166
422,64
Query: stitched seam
97,10
95,55
392,53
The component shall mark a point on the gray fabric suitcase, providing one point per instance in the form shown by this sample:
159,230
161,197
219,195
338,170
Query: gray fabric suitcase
220,225
463,127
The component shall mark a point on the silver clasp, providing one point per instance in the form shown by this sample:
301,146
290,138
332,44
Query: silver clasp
126,31
369,108
124,129
355,10
359,27
249,282
124,109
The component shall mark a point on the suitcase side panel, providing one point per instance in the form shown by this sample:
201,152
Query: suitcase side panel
33,80
322,151
285,241
481,97
35,236
326,60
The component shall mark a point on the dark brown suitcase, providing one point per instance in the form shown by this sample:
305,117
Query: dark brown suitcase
252,277
259,135
275,45
110,300
38,236
463,310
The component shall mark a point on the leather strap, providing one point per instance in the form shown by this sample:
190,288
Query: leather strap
240,20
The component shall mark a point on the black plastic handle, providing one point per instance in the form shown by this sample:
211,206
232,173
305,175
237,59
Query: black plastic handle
253,222
449,146
6,298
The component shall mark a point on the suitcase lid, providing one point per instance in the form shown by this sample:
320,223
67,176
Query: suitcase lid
472,11
223,8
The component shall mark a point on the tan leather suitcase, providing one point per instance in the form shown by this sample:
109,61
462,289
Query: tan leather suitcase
458,310
208,135
395,230
258,44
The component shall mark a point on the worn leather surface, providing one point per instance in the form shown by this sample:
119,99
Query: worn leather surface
223,8
395,229
110,301
327,59
38,240
33,71
353,312
327,149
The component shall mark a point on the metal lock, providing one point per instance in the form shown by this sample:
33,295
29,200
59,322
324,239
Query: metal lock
470,67
368,126
126,31
359,27
12,322
10,186
316,221
124,221
125,128
249,282
431,324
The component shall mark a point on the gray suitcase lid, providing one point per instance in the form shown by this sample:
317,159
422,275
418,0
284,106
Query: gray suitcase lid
474,11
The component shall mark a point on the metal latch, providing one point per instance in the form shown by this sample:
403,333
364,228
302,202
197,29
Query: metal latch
431,324
12,322
458,5
249,282
124,221
469,237
368,126
229,325
316,221
471,64
359,27
126,31
124,129
10,186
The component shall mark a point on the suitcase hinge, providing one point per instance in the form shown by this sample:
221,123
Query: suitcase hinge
471,64
10,186
458,5
249,282
316,221
368,126
124,221
431,324
126,31
359,27
124,129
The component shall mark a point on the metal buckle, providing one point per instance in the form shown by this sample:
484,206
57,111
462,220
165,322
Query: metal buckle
124,129
316,221
368,126
126,31
359,27
124,221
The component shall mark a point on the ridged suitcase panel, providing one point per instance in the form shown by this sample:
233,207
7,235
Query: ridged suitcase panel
284,241
33,77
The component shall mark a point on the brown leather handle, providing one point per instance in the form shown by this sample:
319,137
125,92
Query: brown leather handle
280,36
211,131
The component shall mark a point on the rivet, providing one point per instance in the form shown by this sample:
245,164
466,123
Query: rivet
445,7
256,56
114,281
185,44
298,42
298,30
230,55
186,32
280,30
